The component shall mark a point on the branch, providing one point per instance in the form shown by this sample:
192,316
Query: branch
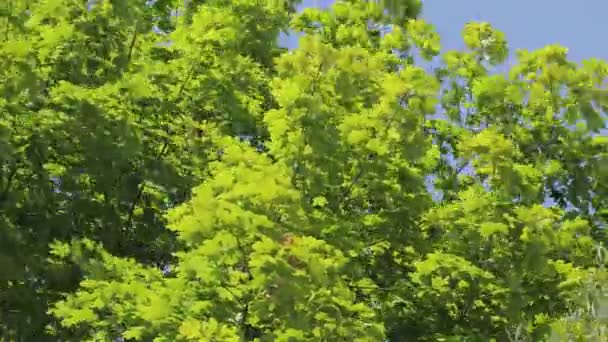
160,154
142,187
9,182
348,191
133,39
368,288
246,330
8,22
183,85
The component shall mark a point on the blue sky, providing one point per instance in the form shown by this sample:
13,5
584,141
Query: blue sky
530,24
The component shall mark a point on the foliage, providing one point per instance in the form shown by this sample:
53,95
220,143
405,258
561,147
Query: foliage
168,173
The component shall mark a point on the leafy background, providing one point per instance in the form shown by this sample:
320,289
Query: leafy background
136,157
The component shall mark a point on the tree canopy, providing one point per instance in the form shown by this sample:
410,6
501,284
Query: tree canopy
168,173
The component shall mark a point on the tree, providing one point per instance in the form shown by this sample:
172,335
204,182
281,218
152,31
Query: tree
197,183
100,121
